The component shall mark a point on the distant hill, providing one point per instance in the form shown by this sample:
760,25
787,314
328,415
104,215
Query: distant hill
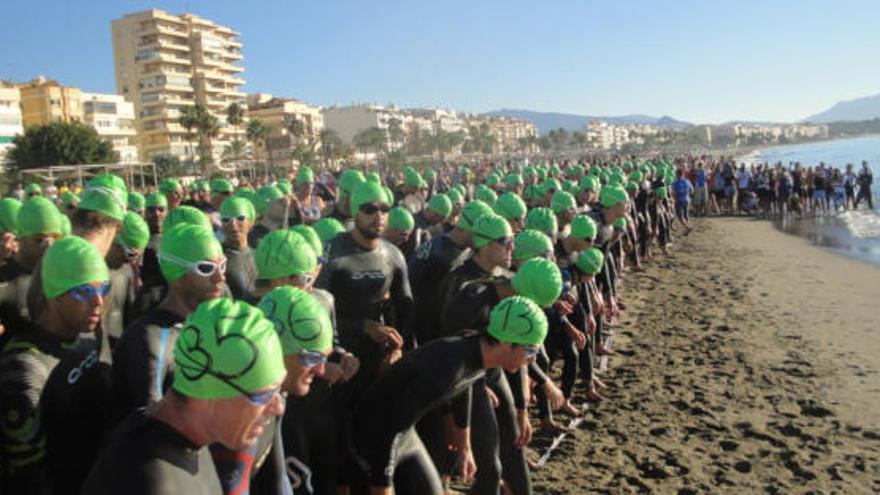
546,121
866,108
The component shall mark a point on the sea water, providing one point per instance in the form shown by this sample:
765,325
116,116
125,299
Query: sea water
854,233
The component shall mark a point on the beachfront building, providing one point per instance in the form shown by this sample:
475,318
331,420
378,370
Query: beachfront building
10,116
293,124
113,119
165,63
45,100
755,134
510,134
348,121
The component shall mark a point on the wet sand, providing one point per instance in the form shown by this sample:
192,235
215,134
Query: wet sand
747,362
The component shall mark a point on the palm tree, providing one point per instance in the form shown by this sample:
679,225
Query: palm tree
235,151
257,132
373,137
331,145
235,117
189,121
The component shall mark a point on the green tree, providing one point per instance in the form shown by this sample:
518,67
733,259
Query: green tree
331,146
168,165
257,132
60,143
395,132
189,120
235,151
373,137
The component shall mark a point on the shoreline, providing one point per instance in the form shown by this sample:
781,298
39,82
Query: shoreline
745,362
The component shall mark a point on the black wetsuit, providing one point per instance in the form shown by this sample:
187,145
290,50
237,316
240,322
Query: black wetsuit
385,441
256,235
118,306
143,363
364,283
431,263
241,274
54,407
146,456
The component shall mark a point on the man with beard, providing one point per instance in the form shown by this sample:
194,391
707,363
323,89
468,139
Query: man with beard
368,278
192,261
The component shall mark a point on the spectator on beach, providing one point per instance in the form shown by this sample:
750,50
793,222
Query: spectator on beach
701,189
866,179
682,189
850,179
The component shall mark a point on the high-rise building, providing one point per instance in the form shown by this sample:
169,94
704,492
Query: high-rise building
10,116
44,101
280,114
165,63
113,119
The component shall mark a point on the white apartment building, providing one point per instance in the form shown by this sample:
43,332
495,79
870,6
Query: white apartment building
113,118
349,120
10,117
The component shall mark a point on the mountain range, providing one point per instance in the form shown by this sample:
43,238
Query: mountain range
866,108
547,121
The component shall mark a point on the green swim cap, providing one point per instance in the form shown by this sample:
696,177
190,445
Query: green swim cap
328,228
430,175
485,194
71,262
301,321
221,185
283,185
531,243
583,227
412,178
513,180
471,212
441,205
156,200
186,243
662,192
562,201
612,195
106,194
201,185
636,176
70,198
490,227
136,201
283,253
247,193
367,192
540,280
135,233
550,185
235,205
266,195
168,186
389,195
33,188
305,176
9,208
492,180
589,183
38,216
186,215
400,218
632,186
66,227
226,348
590,261
542,219
310,236
349,180
455,196
510,206
518,320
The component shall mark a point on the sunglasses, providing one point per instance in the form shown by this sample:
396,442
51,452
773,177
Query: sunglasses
203,268
531,351
371,208
311,359
86,292
240,218
263,398
505,242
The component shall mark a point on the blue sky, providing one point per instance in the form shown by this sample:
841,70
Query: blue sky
702,61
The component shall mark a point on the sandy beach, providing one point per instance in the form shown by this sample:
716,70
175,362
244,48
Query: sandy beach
747,362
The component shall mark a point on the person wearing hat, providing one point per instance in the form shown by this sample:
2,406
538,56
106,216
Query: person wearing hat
309,427
38,226
192,262
431,218
33,189
348,182
564,206
228,373
173,192
273,207
221,189
403,233
386,442
513,208
580,237
368,279
589,263
9,208
52,403
97,219
70,201
237,214
136,202
123,260
433,261
414,187
310,205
